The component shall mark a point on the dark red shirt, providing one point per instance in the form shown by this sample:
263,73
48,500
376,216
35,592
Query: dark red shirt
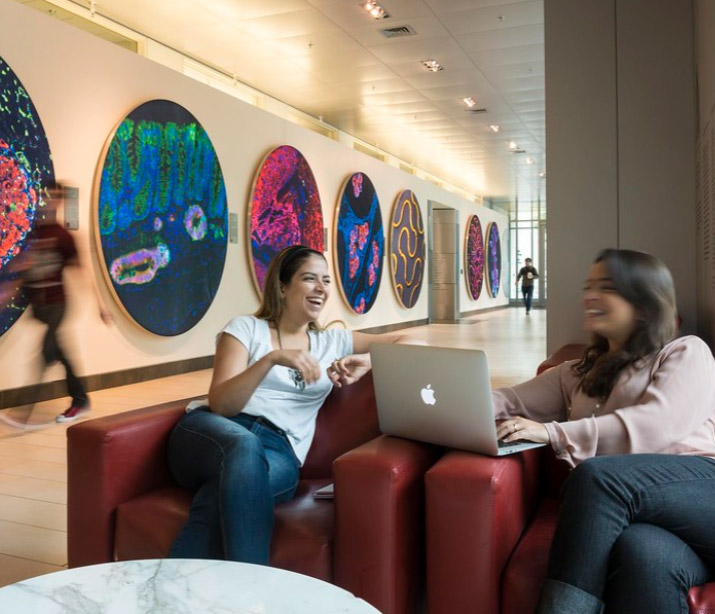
51,249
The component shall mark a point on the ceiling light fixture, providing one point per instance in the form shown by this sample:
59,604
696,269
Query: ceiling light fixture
375,10
530,160
470,102
432,65
542,175
494,128
513,145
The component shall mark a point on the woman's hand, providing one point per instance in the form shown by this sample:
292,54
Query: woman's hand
521,429
300,361
349,369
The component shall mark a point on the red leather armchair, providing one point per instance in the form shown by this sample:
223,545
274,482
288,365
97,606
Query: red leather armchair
123,504
489,525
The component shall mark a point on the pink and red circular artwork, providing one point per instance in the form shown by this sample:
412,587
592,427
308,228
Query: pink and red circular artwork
284,209
25,168
474,257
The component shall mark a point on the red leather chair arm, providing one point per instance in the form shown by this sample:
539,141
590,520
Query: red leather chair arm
110,460
379,521
477,508
701,599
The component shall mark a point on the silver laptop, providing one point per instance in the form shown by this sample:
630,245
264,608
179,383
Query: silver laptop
438,395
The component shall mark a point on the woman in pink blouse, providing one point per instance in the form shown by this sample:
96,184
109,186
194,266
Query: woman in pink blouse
636,416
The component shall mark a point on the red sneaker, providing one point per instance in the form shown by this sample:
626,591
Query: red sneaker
72,413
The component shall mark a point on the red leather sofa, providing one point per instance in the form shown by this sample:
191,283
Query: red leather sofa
123,504
489,525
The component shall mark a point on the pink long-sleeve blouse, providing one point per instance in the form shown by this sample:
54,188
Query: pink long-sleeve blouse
664,404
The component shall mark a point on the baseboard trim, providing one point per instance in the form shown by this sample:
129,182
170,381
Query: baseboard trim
388,328
57,389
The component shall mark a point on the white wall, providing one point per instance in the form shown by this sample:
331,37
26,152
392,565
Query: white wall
620,120
82,87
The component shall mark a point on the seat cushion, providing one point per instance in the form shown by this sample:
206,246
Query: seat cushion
147,525
527,566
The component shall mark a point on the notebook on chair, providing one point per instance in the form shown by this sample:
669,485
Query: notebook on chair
438,395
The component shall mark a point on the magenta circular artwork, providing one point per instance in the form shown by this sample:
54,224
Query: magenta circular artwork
407,248
493,249
474,257
284,209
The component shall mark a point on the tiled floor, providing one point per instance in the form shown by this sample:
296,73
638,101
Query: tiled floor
33,474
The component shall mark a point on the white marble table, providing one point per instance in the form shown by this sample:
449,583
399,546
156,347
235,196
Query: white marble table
178,586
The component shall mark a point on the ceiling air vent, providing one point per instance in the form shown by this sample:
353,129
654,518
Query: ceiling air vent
482,110
397,32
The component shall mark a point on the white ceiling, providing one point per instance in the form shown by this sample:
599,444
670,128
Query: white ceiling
329,59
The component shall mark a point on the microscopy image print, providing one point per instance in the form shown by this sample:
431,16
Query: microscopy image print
284,209
25,168
359,243
474,257
162,217
493,248
407,248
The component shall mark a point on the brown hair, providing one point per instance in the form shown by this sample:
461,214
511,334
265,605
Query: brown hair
646,283
280,273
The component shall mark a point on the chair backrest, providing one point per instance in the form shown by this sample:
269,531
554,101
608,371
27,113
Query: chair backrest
347,419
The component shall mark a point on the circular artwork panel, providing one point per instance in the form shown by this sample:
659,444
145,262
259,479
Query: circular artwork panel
284,209
407,248
162,217
359,243
493,248
474,257
25,167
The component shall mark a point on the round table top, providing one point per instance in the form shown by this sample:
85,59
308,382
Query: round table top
178,586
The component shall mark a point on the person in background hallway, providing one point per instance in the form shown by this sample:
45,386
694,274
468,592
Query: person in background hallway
527,275
241,453
40,268
636,416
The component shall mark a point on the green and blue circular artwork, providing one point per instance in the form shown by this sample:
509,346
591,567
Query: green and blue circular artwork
162,217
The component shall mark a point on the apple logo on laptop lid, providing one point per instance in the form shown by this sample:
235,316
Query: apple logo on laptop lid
427,395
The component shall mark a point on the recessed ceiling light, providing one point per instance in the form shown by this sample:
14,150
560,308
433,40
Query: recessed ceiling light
530,160
494,128
513,145
470,102
542,175
375,10
432,65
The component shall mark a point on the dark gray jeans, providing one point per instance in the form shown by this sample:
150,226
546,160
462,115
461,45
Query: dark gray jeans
635,532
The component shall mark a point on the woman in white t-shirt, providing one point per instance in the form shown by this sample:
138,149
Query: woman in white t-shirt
272,372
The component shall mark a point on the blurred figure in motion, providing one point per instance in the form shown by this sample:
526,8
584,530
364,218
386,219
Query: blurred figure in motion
40,270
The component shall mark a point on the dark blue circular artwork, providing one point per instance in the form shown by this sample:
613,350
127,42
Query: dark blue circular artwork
25,167
360,243
162,217
493,259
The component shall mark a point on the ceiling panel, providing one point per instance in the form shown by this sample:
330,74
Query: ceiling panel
330,59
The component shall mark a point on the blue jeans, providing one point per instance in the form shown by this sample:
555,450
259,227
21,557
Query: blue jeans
527,292
635,532
239,469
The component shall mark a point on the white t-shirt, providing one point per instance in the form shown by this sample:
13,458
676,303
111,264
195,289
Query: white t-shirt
277,397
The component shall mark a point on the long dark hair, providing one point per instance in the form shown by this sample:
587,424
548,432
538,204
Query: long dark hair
646,283
280,273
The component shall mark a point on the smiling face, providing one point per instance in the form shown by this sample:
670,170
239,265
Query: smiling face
304,297
606,312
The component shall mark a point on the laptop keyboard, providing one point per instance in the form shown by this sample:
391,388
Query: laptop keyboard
510,444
